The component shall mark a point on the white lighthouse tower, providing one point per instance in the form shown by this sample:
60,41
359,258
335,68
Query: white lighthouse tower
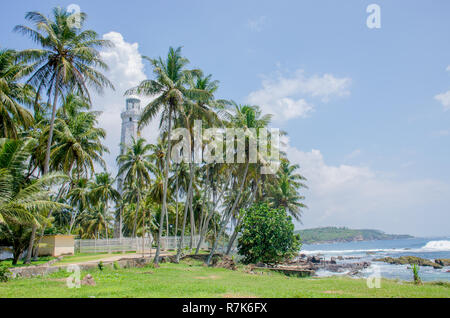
130,118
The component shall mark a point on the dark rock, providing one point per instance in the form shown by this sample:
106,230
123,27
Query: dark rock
352,257
314,259
88,280
404,260
226,262
353,273
443,261
333,260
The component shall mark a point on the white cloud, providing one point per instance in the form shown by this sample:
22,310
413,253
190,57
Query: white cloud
442,132
126,70
285,96
355,153
359,197
256,24
444,99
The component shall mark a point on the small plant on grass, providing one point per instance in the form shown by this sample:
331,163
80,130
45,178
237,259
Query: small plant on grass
4,273
150,265
415,270
116,265
101,266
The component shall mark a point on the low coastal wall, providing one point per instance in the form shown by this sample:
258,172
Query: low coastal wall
32,271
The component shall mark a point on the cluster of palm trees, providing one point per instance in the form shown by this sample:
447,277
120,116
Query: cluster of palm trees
48,157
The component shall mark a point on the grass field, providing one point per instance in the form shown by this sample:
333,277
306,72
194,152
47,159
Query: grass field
77,258
193,280
40,261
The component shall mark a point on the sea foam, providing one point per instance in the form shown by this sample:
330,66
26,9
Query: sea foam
437,245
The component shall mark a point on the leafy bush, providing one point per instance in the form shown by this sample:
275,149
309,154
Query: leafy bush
415,269
116,265
4,273
267,235
100,265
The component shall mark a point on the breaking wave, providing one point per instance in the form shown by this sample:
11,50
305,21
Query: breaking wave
437,245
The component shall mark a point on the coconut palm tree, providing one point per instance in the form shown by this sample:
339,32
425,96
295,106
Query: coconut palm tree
283,192
244,117
24,199
171,91
77,140
67,61
103,191
80,199
13,94
96,221
136,167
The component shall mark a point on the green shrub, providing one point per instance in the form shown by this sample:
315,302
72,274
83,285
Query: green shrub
415,269
116,265
4,273
100,265
267,236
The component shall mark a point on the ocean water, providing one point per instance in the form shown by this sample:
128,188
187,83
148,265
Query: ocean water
429,248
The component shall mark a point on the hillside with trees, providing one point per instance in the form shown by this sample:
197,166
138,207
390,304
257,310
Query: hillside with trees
343,234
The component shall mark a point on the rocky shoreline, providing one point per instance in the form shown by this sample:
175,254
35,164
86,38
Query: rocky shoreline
314,263
411,260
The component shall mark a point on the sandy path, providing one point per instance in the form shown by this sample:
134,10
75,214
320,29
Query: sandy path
117,257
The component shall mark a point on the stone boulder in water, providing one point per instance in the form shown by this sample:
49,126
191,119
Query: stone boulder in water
404,260
443,261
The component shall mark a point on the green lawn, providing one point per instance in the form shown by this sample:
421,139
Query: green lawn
194,280
40,261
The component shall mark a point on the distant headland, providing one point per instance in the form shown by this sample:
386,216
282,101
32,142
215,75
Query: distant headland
344,234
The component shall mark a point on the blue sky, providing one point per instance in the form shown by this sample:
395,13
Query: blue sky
359,104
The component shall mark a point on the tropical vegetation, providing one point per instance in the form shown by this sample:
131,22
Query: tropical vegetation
267,236
53,178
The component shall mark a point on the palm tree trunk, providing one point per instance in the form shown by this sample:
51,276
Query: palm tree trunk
192,221
106,226
176,206
136,213
121,223
31,244
143,233
45,225
227,219
52,124
46,164
167,229
166,181
236,228
233,237
72,221
186,207
208,218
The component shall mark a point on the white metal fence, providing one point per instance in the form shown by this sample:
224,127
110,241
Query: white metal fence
127,244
